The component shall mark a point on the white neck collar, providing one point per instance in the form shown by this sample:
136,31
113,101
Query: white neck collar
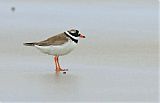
71,35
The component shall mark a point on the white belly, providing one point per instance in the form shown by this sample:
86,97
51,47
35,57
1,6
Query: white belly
58,50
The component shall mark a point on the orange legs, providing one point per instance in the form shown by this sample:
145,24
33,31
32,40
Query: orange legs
56,63
58,68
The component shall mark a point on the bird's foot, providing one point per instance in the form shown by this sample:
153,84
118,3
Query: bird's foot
59,69
63,69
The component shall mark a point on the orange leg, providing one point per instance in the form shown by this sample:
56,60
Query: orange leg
59,64
58,68
56,63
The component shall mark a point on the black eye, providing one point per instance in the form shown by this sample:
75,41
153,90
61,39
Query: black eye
74,32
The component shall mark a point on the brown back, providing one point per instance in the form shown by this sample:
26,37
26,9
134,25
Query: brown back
55,40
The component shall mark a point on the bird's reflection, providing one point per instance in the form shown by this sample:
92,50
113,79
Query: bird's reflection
60,83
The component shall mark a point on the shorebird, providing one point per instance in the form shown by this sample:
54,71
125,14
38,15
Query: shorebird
58,45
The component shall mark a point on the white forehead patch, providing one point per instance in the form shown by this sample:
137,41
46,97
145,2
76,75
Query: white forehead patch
73,31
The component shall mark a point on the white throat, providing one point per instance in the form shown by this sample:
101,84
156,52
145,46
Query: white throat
71,35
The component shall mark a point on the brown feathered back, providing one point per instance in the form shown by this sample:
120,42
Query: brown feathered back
55,40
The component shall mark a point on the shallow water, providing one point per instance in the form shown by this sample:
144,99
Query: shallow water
117,62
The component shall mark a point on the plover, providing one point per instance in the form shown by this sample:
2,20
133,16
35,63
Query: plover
58,45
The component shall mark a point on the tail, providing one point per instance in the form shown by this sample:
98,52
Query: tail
29,44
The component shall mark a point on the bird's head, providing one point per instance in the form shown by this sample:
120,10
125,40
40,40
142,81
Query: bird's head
75,34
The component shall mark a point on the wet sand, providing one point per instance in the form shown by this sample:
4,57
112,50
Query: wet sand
117,62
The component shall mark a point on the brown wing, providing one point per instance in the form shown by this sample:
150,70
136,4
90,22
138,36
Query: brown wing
55,40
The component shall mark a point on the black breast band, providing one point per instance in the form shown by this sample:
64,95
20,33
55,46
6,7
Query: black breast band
75,40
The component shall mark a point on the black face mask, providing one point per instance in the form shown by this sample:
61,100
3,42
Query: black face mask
74,33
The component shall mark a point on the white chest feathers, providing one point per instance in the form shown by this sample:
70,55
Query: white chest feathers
58,50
